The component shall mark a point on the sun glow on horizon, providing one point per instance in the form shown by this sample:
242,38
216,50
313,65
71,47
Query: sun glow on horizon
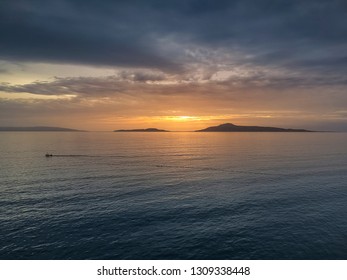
184,118
169,122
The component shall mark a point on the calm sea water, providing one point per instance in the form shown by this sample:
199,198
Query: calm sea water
173,195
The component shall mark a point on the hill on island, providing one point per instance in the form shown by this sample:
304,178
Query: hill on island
141,130
229,127
37,128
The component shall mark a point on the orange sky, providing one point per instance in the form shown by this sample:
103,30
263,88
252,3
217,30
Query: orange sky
173,66
174,102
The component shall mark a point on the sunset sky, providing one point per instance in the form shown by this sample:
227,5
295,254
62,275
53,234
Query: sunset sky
177,65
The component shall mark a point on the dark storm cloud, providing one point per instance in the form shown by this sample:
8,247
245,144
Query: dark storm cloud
137,83
310,35
71,32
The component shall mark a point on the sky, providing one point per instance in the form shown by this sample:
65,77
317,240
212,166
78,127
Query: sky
174,64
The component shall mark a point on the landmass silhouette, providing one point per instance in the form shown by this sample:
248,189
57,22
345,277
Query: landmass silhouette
38,128
229,127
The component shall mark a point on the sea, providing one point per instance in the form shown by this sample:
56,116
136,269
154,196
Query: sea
177,195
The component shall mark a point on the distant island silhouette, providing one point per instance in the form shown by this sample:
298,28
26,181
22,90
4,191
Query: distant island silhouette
141,130
38,128
229,127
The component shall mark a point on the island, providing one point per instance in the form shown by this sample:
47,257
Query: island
229,127
39,129
141,130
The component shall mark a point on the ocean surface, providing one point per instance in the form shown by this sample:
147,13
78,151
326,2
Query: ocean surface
173,195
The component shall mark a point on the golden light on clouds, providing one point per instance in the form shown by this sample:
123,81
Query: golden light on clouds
30,96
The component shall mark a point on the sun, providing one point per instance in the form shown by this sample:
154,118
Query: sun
182,118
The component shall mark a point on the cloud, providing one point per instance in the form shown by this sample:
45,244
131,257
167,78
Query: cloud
309,108
142,93
191,56
67,86
142,76
64,32
200,80
137,33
